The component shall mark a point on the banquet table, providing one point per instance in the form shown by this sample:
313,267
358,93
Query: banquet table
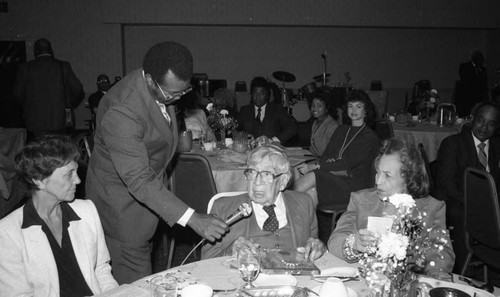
430,135
227,166
224,279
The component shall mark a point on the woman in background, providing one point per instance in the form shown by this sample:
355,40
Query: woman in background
54,245
346,163
325,116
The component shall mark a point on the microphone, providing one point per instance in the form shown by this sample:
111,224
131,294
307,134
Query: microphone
323,55
243,211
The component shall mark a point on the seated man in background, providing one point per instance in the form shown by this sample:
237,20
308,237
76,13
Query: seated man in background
264,118
280,219
473,147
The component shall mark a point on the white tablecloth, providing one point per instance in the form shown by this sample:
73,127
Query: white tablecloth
430,135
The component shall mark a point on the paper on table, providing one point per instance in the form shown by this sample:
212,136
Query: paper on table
379,225
126,291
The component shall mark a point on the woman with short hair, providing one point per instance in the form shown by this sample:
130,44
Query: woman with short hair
400,170
54,245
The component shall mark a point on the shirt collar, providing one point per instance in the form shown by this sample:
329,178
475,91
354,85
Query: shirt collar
262,108
31,217
477,141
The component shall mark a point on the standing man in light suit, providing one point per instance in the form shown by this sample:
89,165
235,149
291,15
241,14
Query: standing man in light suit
136,137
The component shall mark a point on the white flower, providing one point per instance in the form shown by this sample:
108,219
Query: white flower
393,244
224,112
402,200
210,106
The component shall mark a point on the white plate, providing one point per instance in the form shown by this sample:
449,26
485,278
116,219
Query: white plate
435,283
350,291
338,272
275,280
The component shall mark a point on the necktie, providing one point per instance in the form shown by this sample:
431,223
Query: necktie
482,155
258,114
271,224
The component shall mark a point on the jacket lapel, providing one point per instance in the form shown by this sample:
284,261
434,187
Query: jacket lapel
44,263
77,233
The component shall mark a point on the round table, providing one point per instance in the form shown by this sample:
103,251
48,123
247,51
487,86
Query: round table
218,274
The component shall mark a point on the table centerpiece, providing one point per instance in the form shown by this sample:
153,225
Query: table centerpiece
390,265
219,121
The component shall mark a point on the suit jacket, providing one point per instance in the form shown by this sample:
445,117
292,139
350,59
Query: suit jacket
41,92
472,87
300,214
276,122
456,153
126,177
366,203
27,265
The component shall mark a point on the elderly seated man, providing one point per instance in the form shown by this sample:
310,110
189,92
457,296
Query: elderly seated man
280,219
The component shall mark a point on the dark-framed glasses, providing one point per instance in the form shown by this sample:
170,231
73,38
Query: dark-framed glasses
266,176
174,96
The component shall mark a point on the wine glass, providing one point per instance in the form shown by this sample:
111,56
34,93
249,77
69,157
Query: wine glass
248,266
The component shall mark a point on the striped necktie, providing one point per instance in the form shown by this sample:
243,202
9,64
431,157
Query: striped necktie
483,159
271,224
258,114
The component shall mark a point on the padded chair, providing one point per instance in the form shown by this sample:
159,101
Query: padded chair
384,130
481,219
193,182
223,194
428,168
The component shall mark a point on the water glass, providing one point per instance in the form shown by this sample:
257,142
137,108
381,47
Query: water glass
248,266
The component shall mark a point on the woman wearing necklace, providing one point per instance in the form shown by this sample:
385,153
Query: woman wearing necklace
346,164
325,122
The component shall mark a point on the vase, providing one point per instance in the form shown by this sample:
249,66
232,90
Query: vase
221,138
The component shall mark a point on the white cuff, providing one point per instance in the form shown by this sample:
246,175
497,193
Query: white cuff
185,217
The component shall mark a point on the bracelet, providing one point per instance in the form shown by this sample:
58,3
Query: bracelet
347,249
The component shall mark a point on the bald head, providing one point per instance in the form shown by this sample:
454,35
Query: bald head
42,47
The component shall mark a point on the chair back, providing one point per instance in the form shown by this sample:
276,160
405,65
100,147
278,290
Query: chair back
481,208
223,194
192,180
383,129
424,156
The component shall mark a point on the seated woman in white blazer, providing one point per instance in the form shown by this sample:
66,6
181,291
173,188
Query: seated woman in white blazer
53,245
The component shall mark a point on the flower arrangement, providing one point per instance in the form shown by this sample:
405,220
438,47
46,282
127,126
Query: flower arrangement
401,252
219,120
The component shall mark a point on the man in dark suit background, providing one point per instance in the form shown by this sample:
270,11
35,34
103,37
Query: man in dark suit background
472,88
135,139
456,153
262,117
44,88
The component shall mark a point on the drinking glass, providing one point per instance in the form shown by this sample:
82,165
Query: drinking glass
248,266
168,288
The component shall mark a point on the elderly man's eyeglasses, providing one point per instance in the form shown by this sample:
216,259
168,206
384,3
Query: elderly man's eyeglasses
266,176
174,96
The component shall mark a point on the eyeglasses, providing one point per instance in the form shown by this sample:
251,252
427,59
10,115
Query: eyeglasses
266,176
103,81
174,96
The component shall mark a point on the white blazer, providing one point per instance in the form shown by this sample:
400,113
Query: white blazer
27,265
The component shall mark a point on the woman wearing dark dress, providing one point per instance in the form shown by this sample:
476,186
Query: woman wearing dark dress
347,162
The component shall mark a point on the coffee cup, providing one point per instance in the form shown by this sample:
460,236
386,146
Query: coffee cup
209,146
197,290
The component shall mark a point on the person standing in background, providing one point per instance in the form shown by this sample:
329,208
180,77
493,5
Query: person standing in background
472,87
45,88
